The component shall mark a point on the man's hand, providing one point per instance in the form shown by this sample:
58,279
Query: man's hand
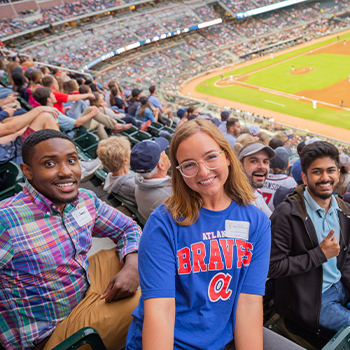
91,96
124,284
51,110
10,111
330,245
9,99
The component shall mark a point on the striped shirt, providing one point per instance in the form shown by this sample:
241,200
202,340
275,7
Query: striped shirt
43,261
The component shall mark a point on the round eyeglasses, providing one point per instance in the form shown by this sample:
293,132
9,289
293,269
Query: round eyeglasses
211,161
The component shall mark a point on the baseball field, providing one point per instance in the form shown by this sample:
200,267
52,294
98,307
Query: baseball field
312,82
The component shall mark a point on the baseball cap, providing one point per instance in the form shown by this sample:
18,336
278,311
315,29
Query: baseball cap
225,115
312,140
344,160
145,155
135,92
28,72
17,69
127,92
255,148
281,160
288,150
143,100
180,112
254,129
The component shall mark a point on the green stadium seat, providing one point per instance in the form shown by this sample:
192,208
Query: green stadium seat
341,341
12,174
86,335
120,121
154,128
86,141
82,155
139,136
130,131
170,130
100,177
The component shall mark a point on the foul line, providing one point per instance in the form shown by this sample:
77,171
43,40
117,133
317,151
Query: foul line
275,103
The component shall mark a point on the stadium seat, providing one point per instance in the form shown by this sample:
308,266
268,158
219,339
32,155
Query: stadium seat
154,128
100,177
139,136
82,155
340,341
130,131
132,207
10,175
86,335
88,144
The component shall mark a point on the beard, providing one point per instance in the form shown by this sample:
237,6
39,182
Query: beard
313,189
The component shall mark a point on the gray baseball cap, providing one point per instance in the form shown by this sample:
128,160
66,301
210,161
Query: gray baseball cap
255,148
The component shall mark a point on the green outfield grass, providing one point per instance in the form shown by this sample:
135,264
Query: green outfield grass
328,69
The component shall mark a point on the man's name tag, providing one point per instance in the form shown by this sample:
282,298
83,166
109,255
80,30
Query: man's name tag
82,216
237,229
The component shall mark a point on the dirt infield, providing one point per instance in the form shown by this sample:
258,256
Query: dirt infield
300,71
189,88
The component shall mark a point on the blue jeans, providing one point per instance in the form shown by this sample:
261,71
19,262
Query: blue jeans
118,109
334,313
4,92
77,109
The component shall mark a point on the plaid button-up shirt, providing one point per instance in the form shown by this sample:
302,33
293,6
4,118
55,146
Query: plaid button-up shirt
43,261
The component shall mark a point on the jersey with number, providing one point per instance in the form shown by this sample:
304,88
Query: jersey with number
205,267
272,184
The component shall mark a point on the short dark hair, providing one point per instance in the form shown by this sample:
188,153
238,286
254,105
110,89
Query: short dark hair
275,143
79,81
315,150
41,95
28,146
300,147
84,89
231,122
48,81
191,109
152,89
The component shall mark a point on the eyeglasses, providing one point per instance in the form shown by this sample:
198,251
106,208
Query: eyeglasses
190,168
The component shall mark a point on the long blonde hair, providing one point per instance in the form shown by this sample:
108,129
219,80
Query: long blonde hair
185,203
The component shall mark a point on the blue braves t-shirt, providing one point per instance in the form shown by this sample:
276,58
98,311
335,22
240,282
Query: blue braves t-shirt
205,267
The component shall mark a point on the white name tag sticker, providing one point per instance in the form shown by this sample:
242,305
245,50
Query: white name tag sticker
237,229
82,216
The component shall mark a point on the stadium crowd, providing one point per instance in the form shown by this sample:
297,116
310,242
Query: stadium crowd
276,173
249,221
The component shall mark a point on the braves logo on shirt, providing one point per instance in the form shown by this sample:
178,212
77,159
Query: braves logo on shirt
219,255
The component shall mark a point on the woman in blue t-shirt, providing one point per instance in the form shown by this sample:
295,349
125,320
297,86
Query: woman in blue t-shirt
146,112
204,254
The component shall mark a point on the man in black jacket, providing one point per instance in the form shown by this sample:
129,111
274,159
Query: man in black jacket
310,245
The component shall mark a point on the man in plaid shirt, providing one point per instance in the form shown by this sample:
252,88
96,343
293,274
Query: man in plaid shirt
48,287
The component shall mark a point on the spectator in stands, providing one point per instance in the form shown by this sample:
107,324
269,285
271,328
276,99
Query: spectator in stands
242,140
91,118
12,129
296,168
277,178
45,70
222,126
310,244
21,85
115,100
193,294
111,84
264,138
134,102
50,82
101,105
275,143
34,83
284,138
145,112
155,102
52,210
114,154
233,128
344,178
149,160
255,158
